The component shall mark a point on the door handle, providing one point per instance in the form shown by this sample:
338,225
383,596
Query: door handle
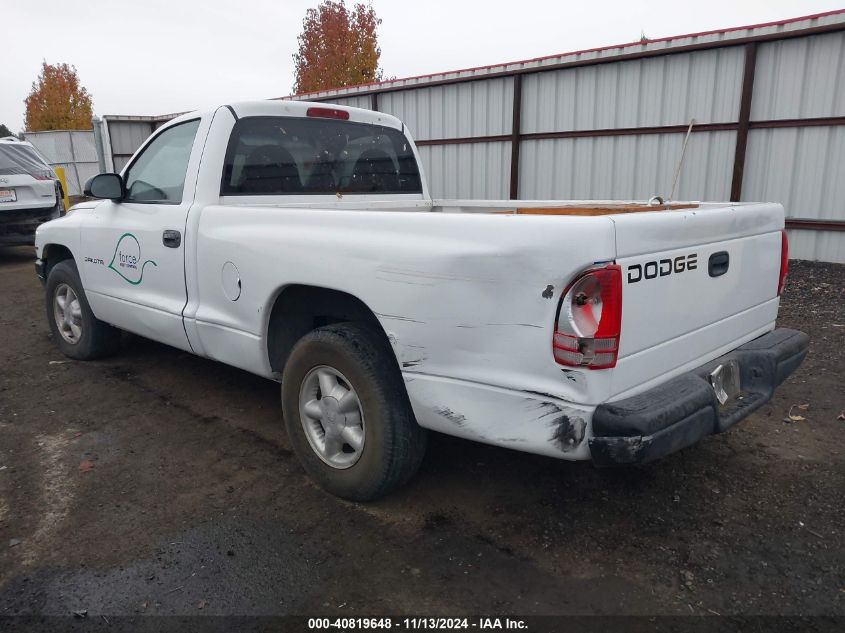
718,264
171,238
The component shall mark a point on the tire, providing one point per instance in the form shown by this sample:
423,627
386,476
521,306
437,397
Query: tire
84,337
392,443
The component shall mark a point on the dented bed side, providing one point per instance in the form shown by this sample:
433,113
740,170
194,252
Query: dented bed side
468,303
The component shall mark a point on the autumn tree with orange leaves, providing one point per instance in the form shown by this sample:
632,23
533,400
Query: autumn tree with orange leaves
337,47
58,101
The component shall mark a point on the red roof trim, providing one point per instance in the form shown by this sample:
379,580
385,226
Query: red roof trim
581,52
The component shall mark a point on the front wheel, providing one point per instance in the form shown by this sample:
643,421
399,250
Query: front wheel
347,412
77,332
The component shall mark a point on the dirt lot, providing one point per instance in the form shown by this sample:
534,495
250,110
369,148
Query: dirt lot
160,483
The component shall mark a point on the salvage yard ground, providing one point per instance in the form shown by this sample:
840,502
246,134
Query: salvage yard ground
155,482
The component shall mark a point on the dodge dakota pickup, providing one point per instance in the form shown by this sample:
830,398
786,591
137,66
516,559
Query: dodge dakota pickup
299,242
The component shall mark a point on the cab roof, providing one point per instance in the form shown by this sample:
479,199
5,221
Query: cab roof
283,107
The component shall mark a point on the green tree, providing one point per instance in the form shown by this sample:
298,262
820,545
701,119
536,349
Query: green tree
337,47
4,131
58,101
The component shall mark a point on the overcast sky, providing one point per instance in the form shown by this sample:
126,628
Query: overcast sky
162,56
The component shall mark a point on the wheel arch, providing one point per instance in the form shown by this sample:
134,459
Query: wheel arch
299,309
52,254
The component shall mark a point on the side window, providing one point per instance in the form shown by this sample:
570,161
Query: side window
158,174
286,155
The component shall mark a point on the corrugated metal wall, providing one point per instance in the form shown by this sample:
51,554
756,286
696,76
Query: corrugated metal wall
481,108
801,167
477,109
126,137
610,124
445,168
355,102
74,150
627,167
654,92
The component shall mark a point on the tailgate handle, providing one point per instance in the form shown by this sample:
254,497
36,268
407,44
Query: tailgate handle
719,263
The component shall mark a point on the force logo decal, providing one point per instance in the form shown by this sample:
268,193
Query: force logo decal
126,260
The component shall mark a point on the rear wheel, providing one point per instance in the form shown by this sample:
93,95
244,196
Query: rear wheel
77,332
347,412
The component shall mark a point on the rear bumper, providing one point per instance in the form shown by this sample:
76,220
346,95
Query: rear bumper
18,226
680,412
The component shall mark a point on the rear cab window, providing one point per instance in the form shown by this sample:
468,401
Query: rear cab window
300,156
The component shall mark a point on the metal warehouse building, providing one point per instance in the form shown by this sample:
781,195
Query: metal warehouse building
767,103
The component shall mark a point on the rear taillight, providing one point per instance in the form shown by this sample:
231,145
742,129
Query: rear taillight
590,319
784,260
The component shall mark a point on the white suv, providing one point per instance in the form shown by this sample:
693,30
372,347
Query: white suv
30,194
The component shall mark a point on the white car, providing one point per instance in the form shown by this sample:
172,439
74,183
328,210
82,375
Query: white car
299,242
29,191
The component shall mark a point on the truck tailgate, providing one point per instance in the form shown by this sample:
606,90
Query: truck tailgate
696,284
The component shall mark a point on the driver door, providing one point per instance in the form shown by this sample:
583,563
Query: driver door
133,259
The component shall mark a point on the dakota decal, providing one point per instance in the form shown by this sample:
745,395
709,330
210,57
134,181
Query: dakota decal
126,260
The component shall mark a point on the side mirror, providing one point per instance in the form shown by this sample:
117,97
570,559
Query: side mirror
105,186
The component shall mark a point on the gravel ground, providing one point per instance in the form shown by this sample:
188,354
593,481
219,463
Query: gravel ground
160,483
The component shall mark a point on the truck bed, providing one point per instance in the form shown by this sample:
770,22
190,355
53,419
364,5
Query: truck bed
570,207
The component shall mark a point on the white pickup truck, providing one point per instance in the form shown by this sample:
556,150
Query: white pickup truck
299,242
